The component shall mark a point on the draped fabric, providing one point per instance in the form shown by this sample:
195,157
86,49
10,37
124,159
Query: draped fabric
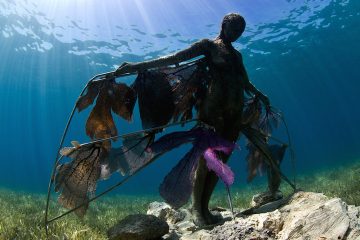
164,96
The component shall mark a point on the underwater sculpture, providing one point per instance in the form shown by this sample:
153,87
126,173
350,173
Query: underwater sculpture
215,86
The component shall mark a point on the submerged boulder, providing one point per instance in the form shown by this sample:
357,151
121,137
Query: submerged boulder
313,215
138,227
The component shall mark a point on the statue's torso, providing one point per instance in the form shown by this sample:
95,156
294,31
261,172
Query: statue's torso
223,104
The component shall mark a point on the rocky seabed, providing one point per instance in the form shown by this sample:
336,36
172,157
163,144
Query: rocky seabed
304,215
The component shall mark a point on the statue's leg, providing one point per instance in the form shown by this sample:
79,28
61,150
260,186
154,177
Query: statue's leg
274,179
205,181
196,196
211,181
273,193
204,185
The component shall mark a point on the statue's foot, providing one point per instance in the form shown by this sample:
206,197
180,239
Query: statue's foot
265,197
205,218
213,218
198,218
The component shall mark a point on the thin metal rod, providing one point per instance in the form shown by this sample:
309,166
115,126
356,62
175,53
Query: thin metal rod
230,201
138,132
292,152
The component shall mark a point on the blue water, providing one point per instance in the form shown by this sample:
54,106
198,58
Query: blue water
304,55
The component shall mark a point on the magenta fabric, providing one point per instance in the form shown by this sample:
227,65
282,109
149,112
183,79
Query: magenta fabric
215,164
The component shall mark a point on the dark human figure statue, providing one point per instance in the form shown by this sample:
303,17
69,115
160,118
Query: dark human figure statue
223,105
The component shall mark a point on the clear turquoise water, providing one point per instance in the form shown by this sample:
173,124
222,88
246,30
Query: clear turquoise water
304,55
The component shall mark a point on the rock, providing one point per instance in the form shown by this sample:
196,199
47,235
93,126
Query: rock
265,197
138,227
165,212
187,214
226,215
354,214
201,235
172,235
304,215
313,215
243,228
270,206
186,226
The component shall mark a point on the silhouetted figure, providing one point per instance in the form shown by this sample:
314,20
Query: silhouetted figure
223,104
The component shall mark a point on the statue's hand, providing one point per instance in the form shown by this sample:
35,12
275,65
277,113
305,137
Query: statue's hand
265,100
125,68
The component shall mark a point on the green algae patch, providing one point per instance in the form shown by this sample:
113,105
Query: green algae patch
22,216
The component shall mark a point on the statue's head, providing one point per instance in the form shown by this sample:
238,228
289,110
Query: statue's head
233,25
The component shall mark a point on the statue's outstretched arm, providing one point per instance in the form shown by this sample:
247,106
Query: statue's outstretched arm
249,87
197,49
